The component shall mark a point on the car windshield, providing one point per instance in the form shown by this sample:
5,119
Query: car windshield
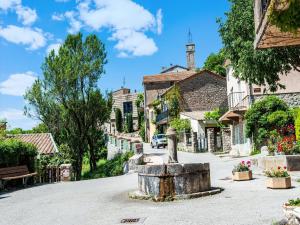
161,136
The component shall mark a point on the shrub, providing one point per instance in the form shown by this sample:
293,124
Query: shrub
242,167
264,116
181,125
16,153
107,168
128,123
119,120
293,202
279,172
142,132
297,125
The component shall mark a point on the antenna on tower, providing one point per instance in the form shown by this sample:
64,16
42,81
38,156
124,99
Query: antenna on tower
190,37
124,82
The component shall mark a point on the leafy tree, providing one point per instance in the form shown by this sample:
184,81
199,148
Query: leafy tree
40,128
181,125
215,62
173,98
214,115
139,104
266,115
254,66
119,120
67,100
128,123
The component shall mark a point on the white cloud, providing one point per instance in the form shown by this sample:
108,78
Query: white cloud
159,23
54,46
136,43
27,15
9,4
75,25
34,38
126,20
17,84
57,17
17,119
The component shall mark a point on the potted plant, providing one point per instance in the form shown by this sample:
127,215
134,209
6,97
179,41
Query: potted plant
242,171
289,206
278,178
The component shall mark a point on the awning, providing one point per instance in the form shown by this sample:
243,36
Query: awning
231,116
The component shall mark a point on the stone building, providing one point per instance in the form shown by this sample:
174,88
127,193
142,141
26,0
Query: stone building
125,101
201,92
242,95
155,85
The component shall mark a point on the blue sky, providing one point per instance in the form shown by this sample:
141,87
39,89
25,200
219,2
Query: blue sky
140,36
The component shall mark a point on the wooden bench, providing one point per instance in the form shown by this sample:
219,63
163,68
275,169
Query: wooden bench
13,173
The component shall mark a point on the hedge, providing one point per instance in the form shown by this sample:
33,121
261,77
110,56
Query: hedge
16,153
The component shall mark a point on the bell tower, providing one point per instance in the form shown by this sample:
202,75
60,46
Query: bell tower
190,52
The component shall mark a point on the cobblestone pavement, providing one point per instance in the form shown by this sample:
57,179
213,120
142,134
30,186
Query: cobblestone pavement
105,201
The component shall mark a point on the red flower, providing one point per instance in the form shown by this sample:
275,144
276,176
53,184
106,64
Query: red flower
248,162
284,167
279,167
243,162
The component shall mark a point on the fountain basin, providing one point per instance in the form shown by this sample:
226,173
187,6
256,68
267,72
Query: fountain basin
173,181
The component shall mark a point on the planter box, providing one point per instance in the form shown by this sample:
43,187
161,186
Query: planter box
240,176
279,182
289,210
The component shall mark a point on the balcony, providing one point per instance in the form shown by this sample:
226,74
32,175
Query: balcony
267,35
162,118
238,101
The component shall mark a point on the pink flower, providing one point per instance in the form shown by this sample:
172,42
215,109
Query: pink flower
243,162
279,167
248,162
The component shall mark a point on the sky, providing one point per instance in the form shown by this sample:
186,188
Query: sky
140,36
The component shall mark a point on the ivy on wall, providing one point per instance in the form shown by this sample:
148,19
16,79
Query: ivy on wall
285,14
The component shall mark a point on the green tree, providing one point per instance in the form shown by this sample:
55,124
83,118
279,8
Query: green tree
215,63
139,104
254,66
119,120
66,99
265,116
181,125
129,123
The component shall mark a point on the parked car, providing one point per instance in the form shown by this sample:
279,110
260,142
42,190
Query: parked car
159,140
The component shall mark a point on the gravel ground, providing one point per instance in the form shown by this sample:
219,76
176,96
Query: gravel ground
105,201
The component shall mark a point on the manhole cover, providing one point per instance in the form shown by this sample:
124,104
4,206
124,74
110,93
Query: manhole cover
130,220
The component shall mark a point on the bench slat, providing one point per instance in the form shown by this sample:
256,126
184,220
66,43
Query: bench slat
14,172
18,177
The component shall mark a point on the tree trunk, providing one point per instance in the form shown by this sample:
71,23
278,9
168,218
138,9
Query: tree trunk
93,161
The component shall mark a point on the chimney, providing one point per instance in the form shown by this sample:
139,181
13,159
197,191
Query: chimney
190,53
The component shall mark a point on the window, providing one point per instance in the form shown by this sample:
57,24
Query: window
127,107
257,90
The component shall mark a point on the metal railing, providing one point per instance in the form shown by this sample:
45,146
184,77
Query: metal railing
162,116
238,100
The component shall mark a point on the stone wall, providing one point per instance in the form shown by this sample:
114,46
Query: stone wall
211,140
292,99
226,139
203,92
170,180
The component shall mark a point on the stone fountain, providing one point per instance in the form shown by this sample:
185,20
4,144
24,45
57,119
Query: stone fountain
171,181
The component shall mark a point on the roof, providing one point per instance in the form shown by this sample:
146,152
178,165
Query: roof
173,67
163,77
199,73
44,142
196,115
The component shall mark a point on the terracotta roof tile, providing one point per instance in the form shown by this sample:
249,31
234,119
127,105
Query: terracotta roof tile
177,76
44,142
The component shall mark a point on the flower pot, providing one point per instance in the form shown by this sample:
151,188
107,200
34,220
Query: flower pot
239,176
288,210
279,182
